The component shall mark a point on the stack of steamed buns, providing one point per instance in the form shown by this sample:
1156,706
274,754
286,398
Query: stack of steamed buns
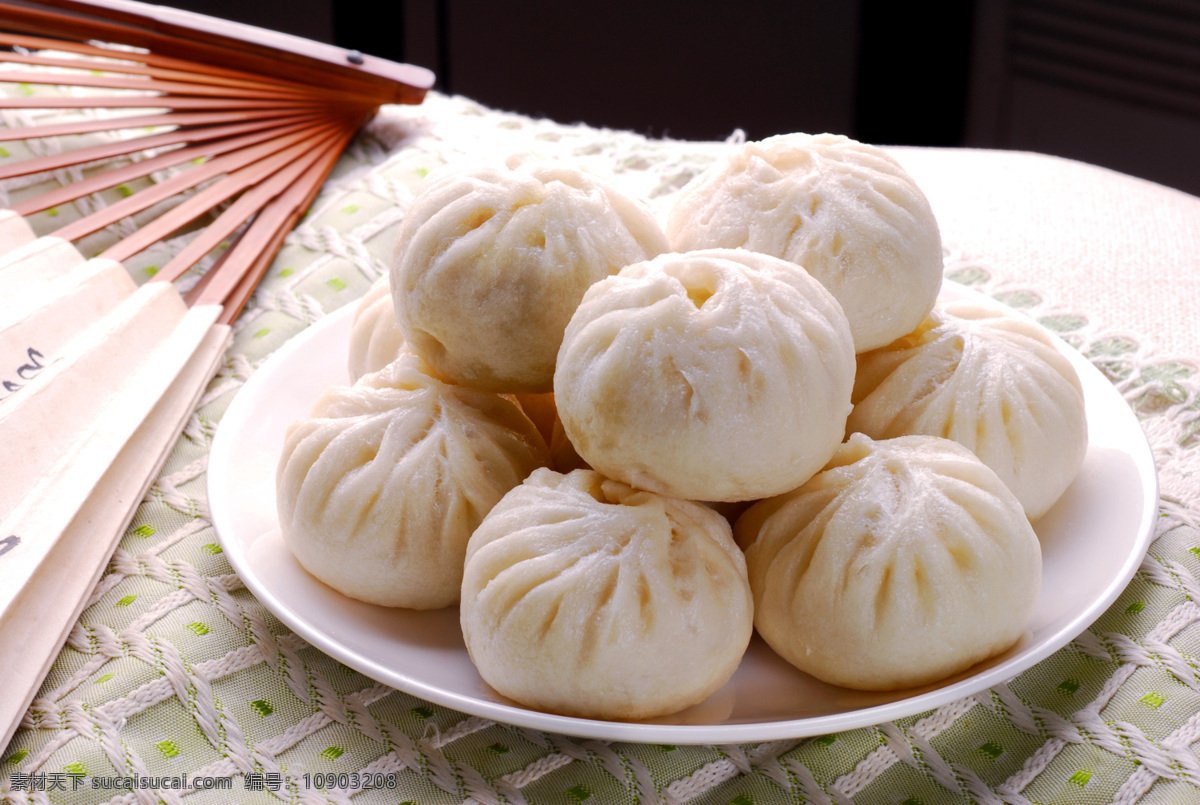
775,356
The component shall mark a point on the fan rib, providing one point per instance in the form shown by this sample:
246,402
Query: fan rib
265,115
266,235
241,170
218,137
219,45
159,85
162,102
118,123
254,198
245,208
138,59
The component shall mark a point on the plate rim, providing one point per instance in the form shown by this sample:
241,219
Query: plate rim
686,734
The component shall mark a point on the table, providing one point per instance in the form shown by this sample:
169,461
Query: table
175,669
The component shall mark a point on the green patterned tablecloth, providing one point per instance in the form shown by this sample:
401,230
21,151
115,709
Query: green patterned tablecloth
175,669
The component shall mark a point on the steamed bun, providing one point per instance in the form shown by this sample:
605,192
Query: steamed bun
903,562
491,263
375,339
714,375
585,597
379,490
845,211
990,381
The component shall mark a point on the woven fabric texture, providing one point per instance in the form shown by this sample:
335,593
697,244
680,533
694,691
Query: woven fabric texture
174,668
1106,229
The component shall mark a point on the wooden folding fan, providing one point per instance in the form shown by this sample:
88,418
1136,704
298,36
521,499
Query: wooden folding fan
98,376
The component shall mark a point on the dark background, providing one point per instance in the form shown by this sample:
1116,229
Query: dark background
1112,82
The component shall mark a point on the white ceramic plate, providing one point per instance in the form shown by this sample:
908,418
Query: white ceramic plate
1093,540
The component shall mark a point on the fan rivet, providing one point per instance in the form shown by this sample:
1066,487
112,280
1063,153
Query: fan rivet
354,57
